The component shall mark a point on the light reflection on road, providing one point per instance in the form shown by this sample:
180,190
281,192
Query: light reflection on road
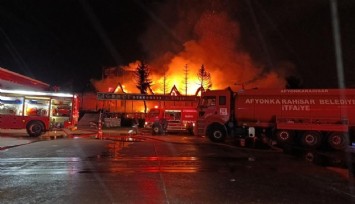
114,162
42,165
152,164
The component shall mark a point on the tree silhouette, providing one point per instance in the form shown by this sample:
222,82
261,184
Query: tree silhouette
293,82
143,82
204,78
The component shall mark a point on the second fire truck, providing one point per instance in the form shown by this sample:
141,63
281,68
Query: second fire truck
171,119
310,117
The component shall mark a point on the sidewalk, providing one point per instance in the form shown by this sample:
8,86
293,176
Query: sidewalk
13,138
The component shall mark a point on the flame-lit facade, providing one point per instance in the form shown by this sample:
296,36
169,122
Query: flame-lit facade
93,102
112,83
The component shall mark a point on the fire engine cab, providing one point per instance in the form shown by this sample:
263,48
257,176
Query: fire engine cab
171,119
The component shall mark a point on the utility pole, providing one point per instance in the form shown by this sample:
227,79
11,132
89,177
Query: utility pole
164,82
186,72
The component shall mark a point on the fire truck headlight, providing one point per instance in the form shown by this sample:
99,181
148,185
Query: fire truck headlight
148,124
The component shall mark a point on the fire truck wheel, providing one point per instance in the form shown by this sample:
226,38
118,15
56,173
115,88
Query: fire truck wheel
337,140
157,129
311,139
34,128
284,136
216,133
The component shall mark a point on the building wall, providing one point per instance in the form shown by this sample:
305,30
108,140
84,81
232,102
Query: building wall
88,102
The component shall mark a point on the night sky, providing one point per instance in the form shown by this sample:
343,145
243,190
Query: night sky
68,42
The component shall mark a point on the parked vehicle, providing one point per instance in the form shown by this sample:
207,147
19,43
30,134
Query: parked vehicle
37,111
171,119
310,117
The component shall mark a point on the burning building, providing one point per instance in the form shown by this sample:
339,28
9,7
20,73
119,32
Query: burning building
184,39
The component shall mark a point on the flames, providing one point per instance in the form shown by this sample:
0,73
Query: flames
215,43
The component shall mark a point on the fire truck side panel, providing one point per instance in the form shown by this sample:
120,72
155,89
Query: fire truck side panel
256,106
20,122
189,115
12,122
314,115
36,111
172,119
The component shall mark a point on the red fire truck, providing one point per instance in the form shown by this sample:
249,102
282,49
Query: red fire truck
311,116
171,119
37,111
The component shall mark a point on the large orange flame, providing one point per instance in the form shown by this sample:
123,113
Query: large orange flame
216,46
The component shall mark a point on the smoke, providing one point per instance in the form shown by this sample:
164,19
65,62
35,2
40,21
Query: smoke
209,36
188,34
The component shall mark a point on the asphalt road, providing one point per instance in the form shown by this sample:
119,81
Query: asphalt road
163,169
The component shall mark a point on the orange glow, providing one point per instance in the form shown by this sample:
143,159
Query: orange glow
215,45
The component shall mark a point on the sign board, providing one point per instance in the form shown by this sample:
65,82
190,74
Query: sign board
144,97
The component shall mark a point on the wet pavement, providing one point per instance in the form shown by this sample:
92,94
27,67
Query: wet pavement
127,168
13,138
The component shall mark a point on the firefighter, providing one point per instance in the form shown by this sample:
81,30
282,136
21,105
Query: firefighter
135,123
164,125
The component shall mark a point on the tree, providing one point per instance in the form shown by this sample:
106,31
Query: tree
143,82
293,82
204,78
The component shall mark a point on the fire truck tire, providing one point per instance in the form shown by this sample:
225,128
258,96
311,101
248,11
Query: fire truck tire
34,128
216,133
337,140
311,139
157,129
284,136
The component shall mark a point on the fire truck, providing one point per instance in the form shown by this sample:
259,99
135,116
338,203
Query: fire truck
171,119
37,111
307,117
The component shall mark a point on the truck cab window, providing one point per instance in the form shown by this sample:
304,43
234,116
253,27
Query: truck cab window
209,101
222,100
153,113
